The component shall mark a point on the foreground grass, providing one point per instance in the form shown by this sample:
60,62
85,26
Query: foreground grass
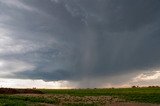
16,100
144,95
12,100
6,102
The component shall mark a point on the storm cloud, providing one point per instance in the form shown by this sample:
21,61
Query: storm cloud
82,41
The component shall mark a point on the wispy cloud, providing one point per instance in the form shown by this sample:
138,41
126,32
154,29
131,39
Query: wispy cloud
18,4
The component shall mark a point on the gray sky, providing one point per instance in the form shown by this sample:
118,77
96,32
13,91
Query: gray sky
89,43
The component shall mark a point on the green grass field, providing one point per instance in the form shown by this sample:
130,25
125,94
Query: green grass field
142,95
148,95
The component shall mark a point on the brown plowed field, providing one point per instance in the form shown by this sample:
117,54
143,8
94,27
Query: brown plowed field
19,91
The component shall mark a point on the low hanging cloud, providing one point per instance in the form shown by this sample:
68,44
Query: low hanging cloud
84,39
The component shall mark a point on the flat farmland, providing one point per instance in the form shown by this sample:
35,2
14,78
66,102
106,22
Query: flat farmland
80,97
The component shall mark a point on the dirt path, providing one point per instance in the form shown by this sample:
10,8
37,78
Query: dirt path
45,104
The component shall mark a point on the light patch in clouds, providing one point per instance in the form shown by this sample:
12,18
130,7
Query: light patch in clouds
143,78
9,45
9,67
27,83
153,75
55,1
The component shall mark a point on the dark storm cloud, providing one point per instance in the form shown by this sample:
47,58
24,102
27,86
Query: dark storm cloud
75,39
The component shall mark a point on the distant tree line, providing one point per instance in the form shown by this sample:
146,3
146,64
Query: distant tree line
145,87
